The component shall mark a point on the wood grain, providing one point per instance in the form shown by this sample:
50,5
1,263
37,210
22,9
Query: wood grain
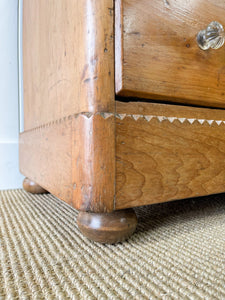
157,56
73,134
93,163
68,58
165,152
108,228
68,146
46,157
74,159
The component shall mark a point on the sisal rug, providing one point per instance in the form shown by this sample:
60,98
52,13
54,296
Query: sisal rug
177,252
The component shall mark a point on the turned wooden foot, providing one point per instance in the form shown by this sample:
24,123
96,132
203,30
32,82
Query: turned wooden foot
108,228
32,187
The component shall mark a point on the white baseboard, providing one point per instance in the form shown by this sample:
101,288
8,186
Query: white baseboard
10,177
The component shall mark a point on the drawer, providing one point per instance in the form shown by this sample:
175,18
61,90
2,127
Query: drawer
157,55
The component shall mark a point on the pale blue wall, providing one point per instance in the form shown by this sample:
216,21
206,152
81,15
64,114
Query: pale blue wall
9,104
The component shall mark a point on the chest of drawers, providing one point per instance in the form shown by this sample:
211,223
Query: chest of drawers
121,106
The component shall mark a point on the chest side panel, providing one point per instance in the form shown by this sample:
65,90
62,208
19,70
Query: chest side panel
68,57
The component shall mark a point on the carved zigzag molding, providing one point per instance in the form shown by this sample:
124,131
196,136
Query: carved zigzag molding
136,117
148,118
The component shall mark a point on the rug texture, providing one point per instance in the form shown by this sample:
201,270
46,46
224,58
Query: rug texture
177,252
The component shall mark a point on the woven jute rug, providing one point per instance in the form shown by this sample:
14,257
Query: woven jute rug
177,252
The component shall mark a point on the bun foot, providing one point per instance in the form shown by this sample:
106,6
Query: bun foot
108,228
32,187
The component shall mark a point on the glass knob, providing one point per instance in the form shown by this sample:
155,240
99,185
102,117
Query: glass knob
211,37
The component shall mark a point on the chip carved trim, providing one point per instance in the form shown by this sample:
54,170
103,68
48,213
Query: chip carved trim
86,115
135,117
161,119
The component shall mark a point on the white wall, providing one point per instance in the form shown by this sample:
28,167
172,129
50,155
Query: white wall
9,103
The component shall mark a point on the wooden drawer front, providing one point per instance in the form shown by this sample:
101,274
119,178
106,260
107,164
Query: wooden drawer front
157,55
